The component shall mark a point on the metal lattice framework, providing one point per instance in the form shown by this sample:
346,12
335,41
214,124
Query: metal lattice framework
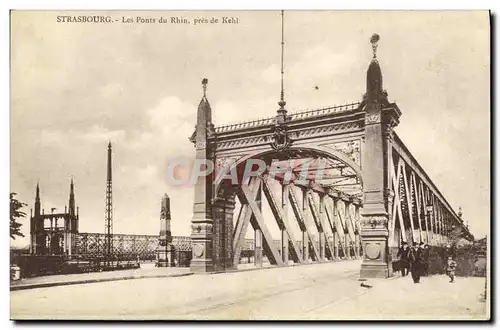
328,222
93,245
419,212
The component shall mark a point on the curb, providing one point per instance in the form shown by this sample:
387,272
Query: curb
276,267
52,284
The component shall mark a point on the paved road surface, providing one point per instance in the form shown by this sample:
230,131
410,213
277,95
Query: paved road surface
324,291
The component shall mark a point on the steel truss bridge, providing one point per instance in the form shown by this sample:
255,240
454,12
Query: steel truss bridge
144,247
347,183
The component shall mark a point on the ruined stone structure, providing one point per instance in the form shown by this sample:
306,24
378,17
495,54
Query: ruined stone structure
54,233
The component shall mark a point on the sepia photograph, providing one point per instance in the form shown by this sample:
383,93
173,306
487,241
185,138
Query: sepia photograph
250,165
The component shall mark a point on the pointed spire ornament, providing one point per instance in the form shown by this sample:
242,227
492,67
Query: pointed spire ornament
282,102
280,138
374,41
204,83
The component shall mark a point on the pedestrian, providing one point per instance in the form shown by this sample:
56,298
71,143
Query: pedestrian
425,258
403,254
450,269
415,258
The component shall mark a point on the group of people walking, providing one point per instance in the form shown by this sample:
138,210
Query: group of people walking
414,259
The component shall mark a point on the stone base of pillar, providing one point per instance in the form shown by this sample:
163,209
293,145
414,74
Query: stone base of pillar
165,257
370,269
202,253
376,257
202,266
162,260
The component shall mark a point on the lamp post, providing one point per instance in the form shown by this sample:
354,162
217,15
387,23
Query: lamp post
429,209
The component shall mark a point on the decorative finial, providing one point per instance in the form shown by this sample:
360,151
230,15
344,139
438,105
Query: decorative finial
282,102
204,82
109,144
374,41
460,212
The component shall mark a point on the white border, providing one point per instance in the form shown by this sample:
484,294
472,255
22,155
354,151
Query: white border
148,4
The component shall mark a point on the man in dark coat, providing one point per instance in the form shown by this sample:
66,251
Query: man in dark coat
415,257
403,254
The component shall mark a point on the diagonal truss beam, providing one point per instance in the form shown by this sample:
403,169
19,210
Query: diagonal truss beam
408,202
319,216
283,224
301,214
240,232
396,207
424,207
417,204
346,219
337,227
351,221
243,221
248,197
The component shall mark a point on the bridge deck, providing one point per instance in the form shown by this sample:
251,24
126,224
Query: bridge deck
317,291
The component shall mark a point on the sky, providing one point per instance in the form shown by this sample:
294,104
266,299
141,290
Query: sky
75,86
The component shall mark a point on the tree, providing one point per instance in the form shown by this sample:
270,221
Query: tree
15,214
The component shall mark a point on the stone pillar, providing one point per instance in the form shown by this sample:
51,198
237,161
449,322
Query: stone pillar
380,116
229,229
202,222
165,234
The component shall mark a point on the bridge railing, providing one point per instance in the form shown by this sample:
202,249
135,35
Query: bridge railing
302,114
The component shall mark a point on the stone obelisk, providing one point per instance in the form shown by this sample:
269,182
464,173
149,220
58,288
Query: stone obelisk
165,257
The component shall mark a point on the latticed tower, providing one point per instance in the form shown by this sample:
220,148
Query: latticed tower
108,222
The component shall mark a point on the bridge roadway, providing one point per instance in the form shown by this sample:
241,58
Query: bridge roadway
319,291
